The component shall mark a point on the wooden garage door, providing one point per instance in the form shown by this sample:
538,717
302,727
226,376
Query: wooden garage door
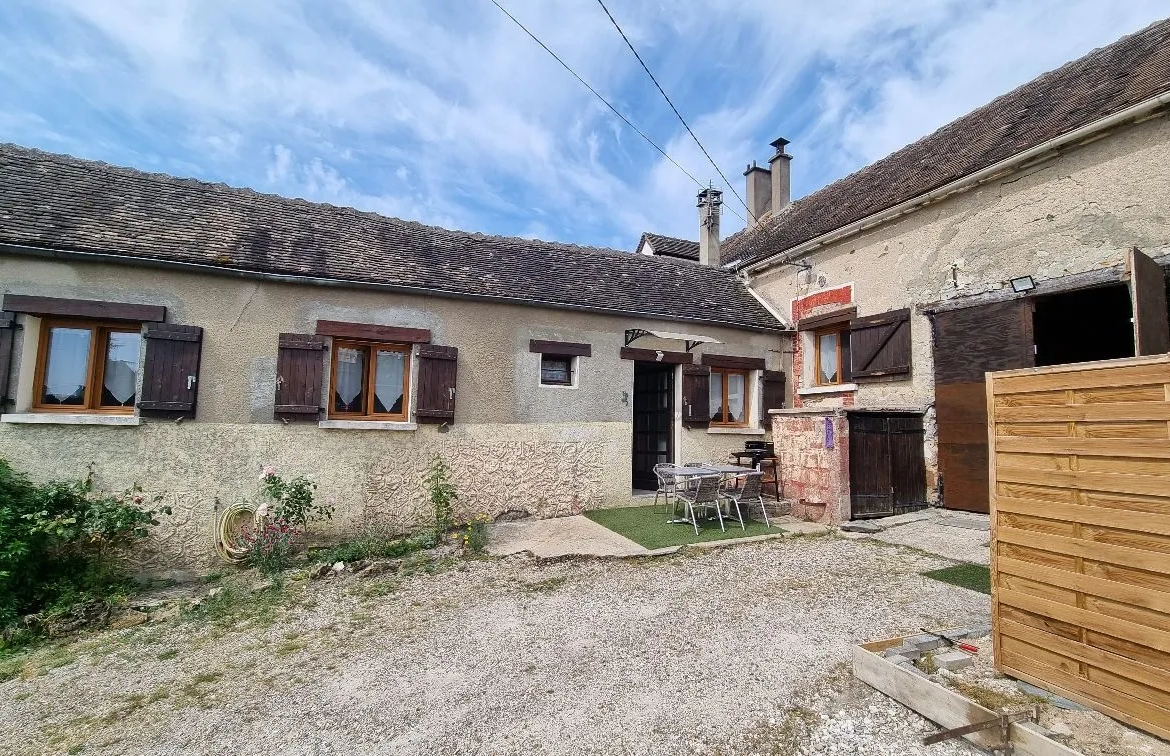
968,343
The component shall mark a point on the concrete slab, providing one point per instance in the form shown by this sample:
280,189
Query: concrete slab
954,660
801,527
736,541
976,522
560,537
862,526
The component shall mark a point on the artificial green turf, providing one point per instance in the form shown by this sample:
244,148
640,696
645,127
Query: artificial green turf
649,528
975,577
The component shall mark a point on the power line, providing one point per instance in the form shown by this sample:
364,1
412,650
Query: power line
672,107
616,112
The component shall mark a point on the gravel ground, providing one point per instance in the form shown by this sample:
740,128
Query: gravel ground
740,650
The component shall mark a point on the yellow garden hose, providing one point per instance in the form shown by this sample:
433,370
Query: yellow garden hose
236,520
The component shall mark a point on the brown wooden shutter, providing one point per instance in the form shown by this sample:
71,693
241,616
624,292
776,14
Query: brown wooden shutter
696,396
437,371
773,394
879,345
170,370
299,371
1147,290
7,336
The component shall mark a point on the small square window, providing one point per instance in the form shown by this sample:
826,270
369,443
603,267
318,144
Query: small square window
556,370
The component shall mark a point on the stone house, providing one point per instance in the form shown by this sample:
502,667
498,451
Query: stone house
183,334
1020,234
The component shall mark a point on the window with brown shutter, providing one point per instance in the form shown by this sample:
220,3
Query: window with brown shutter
7,336
437,371
773,394
880,345
369,380
170,370
696,382
300,366
86,366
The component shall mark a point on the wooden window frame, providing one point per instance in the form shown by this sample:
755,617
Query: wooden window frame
371,370
571,359
747,396
95,368
840,331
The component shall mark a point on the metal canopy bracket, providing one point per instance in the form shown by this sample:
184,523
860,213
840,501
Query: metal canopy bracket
633,334
691,340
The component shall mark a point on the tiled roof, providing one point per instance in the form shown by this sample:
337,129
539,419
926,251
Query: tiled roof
668,246
61,202
1104,82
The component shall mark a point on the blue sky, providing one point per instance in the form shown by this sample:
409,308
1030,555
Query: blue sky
444,112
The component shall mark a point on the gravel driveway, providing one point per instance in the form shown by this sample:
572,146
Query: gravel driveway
739,650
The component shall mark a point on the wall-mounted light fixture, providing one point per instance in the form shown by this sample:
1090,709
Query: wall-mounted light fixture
1023,284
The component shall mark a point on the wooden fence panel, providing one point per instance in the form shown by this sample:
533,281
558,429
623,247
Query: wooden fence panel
1080,523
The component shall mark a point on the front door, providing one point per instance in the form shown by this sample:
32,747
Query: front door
653,421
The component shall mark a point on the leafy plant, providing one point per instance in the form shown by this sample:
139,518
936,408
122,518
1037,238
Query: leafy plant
442,494
372,546
474,536
58,541
293,501
269,548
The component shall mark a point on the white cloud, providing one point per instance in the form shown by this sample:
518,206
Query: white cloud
449,114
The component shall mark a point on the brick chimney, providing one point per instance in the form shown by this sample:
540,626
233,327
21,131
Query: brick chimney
759,192
781,164
710,206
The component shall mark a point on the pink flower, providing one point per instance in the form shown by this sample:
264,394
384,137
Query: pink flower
137,498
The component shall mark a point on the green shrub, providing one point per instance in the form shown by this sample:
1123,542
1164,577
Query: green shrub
293,501
371,546
59,541
441,492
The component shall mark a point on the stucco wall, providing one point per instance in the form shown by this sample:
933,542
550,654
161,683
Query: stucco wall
514,444
1075,213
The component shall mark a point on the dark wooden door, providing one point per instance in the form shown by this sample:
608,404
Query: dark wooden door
887,464
871,491
1147,290
653,421
968,343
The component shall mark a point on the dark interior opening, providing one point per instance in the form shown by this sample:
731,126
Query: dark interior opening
1085,325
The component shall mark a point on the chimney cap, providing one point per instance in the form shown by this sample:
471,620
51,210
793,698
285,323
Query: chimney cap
710,195
779,144
754,167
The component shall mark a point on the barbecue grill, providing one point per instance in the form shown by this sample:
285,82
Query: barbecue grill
761,455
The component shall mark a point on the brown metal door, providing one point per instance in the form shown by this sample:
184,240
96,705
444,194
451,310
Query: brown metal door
967,344
653,421
1147,291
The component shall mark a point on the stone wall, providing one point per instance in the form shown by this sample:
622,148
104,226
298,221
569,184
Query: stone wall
375,479
813,448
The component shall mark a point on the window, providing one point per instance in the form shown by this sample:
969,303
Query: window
556,370
830,346
369,380
87,366
729,396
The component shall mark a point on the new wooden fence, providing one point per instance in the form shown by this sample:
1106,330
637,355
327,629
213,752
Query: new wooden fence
1080,549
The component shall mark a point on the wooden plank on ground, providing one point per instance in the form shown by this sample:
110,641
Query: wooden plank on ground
944,706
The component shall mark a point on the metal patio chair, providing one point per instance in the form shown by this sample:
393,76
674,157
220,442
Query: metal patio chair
749,493
667,484
705,495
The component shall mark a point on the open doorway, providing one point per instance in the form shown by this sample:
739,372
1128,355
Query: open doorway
653,440
1083,326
